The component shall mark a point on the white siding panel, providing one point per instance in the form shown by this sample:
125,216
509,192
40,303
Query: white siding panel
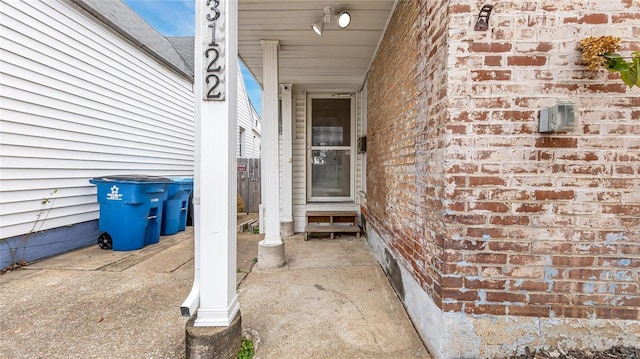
40,124
43,184
244,116
299,150
80,101
60,201
67,35
359,157
255,140
12,141
254,144
363,156
280,173
246,120
39,194
56,218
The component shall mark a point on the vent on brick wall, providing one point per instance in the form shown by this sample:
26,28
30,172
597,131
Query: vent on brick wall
560,117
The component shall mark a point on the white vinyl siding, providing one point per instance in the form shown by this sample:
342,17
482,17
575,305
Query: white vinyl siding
359,156
249,121
78,101
255,139
299,181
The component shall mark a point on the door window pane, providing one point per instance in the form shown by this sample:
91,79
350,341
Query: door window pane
330,173
331,122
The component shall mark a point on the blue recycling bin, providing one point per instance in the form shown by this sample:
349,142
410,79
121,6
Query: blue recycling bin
176,207
130,210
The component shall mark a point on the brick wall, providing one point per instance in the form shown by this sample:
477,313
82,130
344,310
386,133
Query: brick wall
404,189
544,225
487,214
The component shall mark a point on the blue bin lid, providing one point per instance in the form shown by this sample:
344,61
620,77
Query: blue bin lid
182,180
133,178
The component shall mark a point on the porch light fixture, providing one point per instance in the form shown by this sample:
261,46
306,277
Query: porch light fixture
318,26
343,17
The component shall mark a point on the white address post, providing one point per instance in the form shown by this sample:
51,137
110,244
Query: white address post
215,89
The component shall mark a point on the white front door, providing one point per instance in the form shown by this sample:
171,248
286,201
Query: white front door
330,149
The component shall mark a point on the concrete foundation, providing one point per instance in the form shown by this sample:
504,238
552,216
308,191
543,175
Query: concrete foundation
270,256
494,336
213,342
286,229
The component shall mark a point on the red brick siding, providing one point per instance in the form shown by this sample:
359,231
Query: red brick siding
543,225
490,216
404,206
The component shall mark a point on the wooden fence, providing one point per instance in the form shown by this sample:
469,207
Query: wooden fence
249,183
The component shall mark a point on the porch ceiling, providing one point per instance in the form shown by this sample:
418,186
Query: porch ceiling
337,61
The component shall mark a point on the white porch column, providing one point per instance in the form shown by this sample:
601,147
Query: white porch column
286,217
215,90
271,249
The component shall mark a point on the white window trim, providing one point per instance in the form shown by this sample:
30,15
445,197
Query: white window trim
351,148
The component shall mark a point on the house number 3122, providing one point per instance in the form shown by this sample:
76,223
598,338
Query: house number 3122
213,52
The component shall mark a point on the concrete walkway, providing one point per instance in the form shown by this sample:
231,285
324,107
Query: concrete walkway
330,301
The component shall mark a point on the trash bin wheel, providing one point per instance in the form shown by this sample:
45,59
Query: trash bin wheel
104,241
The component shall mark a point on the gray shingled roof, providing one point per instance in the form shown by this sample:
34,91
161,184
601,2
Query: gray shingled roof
185,47
124,20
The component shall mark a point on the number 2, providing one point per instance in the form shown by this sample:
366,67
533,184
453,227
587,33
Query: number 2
210,93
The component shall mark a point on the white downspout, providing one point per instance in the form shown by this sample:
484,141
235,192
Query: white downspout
191,304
